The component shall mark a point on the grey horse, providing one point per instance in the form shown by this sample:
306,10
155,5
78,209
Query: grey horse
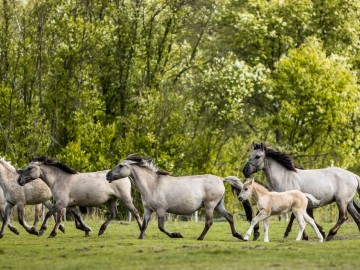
183,195
15,195
38,213
70,188
327,185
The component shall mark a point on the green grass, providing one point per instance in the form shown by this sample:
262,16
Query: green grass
119,248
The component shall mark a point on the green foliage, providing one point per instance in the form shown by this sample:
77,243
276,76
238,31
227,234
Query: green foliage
316,98
188,83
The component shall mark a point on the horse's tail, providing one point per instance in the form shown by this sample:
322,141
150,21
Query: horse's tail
357,207
236,187
83,209
315,202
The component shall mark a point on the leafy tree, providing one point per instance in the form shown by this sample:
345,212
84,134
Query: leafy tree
317,97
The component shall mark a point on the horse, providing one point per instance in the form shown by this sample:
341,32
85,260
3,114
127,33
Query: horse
14,195
181,195
327,184
70,188
38,213
271,203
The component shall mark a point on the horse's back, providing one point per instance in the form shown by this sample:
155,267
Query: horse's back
36,192
186,194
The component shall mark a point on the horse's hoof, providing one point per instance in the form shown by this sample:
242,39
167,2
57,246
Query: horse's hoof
33,231
306,238
52,235
256,236
41,232
238,236
62,228
101,232
286,234
1,236
14,230
176,235
87,234
329,238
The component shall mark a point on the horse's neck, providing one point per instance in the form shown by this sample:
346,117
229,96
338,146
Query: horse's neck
258,191
49,174
6,176
277,175
145,181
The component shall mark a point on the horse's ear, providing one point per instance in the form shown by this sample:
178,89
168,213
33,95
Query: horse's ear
252,181
253,144
262,146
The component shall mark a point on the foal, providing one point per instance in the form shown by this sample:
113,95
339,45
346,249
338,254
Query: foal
272,203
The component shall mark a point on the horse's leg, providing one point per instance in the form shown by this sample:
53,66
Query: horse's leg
11,227
161,222
261,216
223,212
289,226
59,215
6,219
38,214
342,218
53,211
49,205
299,215
256,230
266,229
131,207
147,216
354,213
310,211
112,215
208,222
21,214
79,222
312,223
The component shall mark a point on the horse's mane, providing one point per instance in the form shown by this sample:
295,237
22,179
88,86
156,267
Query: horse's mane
282,158
7,164
55,163
263,185
146,162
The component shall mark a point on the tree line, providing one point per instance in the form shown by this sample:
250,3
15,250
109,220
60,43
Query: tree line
188,83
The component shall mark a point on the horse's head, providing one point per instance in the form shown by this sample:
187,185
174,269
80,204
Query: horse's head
121,170
256,161
30,173
246,191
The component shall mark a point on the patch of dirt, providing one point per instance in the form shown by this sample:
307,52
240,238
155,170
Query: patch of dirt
191,247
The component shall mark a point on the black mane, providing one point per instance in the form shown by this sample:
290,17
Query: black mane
282,158
55,163
145,161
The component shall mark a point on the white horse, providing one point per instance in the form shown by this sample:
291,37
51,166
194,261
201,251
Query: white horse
271,203
183,195
70,188
14,195
327,185
38,213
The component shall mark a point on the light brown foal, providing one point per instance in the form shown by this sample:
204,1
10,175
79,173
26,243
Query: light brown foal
271,203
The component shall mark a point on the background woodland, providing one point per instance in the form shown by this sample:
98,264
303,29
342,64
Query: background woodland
188,83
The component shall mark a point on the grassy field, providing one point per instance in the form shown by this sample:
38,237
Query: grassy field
119,248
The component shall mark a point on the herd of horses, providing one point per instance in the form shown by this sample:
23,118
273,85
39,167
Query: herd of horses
291,189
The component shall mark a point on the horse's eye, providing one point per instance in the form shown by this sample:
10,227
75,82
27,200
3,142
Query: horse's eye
246,189
257,157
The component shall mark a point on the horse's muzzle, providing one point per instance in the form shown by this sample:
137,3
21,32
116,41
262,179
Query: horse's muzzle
109,177
247,170
21,182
